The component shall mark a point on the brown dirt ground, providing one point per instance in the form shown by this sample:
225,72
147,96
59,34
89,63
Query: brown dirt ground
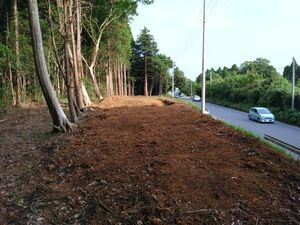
141,161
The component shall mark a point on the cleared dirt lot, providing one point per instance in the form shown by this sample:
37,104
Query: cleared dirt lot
138,160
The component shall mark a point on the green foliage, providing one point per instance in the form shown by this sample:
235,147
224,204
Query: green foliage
183,83
260,66
5,97
158,65
254,83
19,200
288,72
145,44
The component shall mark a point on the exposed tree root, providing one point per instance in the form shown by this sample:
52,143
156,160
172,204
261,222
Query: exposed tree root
64,127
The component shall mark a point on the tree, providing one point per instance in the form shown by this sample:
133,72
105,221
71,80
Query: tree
261,66
288,72
60,121
17,75
161,74
145,49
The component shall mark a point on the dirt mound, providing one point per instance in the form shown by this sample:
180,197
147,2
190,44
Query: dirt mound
125,101
157,165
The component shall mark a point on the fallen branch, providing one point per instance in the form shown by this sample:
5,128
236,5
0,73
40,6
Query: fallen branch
2,120
200,210
291,193
112,213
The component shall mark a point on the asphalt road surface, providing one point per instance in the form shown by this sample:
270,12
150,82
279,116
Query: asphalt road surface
284,132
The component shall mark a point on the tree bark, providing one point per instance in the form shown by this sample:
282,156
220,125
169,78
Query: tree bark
64,69
111,85
129,83
17,76
78,86
60,121
70,89
125,79
120,75
95,82
9,66
132,88
146,76
107,80
160,85
152,86
116,80
109,74
86,98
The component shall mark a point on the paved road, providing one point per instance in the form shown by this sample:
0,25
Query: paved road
284,132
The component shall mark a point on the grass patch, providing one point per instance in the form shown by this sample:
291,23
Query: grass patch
258,138
19,200
193,105
28,168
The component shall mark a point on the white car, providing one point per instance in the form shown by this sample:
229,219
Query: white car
261,115
196,98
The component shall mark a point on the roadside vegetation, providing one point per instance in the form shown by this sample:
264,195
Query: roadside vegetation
255,83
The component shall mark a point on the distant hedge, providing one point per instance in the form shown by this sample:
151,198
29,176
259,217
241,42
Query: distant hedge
243,88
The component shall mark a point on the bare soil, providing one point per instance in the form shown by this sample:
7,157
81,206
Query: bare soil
136,160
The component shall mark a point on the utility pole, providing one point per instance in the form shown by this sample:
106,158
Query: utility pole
173,83
191,88
293,84
203,72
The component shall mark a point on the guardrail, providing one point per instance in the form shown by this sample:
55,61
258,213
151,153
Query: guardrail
282,144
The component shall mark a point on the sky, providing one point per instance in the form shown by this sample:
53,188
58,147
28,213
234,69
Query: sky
236,31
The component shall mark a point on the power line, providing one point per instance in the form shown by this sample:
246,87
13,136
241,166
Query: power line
196,30
193,32
211,9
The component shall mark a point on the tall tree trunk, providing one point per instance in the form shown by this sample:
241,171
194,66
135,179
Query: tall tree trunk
109,81
125,80
9,67
116,80
95,83
111,85
86,98
17,76
146,76
120,75
70,90
78,86
129,88
129,83
60,121
160,85
64,69
132,88
152,85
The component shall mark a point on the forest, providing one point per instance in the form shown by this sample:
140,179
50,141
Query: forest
256,83
76,52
